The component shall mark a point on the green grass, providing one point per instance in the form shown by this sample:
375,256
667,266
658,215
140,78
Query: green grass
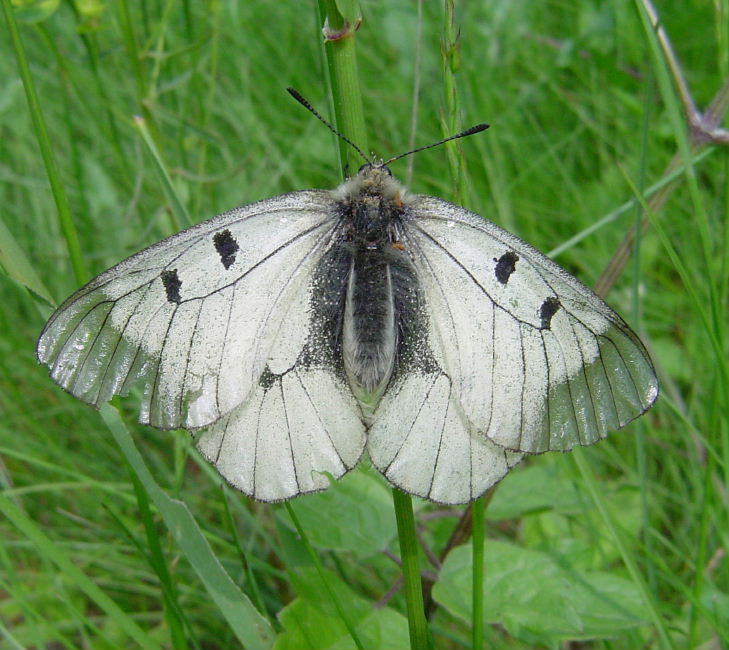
619,545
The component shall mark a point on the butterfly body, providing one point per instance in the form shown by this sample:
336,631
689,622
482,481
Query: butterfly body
380,279
302,331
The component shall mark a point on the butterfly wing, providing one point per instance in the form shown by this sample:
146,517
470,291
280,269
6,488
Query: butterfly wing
423,443
300,423
192,318
536,360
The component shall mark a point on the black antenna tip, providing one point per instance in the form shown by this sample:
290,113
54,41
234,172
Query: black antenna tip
297,96
476,129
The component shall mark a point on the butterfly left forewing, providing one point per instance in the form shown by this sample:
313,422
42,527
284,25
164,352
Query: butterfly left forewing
190,318
539,362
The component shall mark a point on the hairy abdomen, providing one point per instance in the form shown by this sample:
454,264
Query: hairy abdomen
369,330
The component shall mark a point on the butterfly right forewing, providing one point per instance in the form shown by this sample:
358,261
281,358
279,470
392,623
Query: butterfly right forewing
539,362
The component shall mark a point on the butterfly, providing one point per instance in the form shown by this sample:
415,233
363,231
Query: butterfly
300,332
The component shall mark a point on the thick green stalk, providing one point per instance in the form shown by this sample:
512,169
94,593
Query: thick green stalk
412,584
478,513
341,57
340,53
339,48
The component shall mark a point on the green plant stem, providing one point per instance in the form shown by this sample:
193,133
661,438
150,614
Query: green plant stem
92,52
320,570
136,57
478,513
251,580
341,58
412,583
41,132
450,48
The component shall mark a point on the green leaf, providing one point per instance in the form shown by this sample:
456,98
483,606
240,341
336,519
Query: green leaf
538,597
311,620
332,523
533,489
34,11
349,10
16,264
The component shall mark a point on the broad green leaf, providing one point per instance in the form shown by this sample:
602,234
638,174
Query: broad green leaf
539,597
331,521
580,528
533,489
311,620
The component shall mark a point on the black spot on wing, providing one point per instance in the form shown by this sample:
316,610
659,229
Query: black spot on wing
267,379
226,246
172,284
548,309
505,266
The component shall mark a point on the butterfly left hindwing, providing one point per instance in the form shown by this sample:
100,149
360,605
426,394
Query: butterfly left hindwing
300,423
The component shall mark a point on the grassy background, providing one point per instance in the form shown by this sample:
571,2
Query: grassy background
580,118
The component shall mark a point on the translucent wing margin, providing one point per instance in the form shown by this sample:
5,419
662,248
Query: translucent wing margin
191,318
537,361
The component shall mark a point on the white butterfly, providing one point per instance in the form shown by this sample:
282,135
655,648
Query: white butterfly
302,330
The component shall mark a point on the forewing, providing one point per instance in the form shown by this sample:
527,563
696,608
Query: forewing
190,319
537,361
300,424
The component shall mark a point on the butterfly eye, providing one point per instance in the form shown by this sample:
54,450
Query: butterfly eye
364,167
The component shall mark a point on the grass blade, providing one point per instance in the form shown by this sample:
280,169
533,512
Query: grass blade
249,626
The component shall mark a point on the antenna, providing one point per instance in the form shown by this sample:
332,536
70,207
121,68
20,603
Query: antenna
300,98
474,129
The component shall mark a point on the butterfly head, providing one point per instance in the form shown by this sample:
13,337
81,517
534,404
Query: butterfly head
372,180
